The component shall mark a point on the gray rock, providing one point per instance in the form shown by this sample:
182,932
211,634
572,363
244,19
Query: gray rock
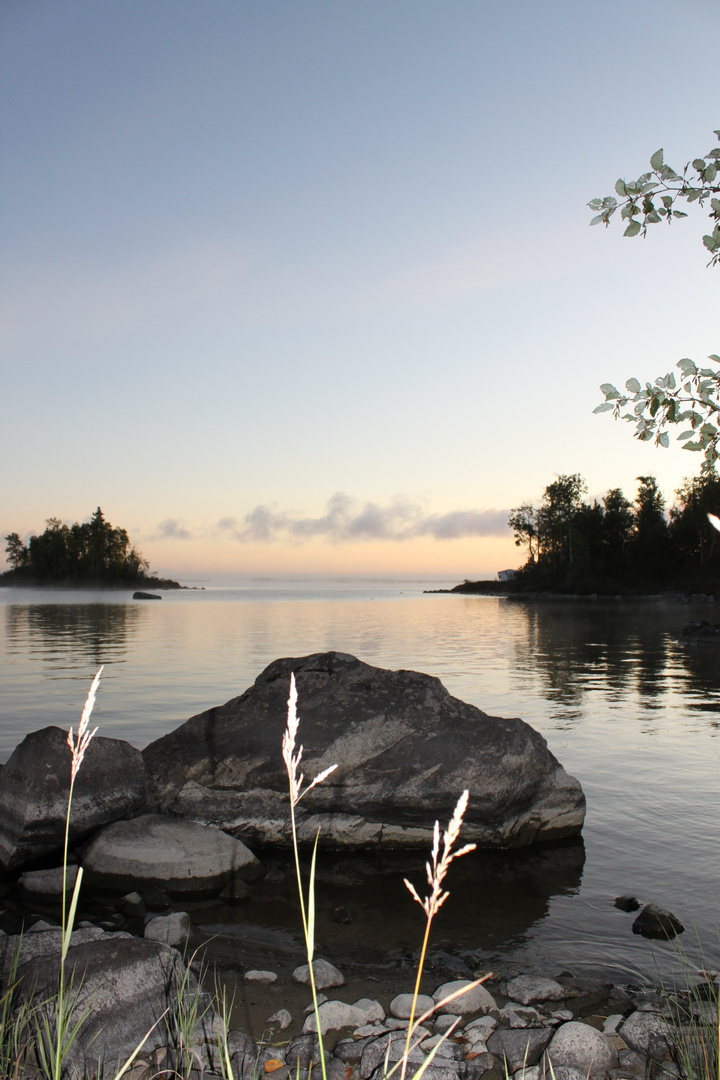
656,922
34,788
401,1005
404,747
333,1016
529,988
445,1022
520,1016
179,856
350,1051
173,930
325,973
563,1072
47,884
582,1047
122,985
255,975
281,1019
478,999
648,1034
392,1045
132,905
46,942
518,1048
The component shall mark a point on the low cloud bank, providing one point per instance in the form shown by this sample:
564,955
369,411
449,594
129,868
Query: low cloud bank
346,521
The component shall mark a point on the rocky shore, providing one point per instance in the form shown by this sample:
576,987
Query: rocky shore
512,1024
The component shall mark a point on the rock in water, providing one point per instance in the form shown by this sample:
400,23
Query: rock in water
34,788
656,922
404,747
181,856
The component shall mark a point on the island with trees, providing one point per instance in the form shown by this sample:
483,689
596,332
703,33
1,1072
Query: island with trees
88,555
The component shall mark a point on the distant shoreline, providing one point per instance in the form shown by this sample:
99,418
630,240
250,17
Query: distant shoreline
16,579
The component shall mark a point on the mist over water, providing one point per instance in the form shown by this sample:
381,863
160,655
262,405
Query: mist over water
622,706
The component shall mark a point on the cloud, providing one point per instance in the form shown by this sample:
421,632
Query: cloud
346,521
171,529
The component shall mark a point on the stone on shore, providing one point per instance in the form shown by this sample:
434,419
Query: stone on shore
405,749
582,1047
173,930
179,856
529,988
476,999
325,974
123,984
47,884
34,789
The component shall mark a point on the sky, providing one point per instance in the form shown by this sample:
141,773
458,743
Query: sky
310,288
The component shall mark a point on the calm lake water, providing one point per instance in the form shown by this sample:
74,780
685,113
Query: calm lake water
622,706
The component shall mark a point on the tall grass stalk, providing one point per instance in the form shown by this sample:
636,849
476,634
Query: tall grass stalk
436,870
293,759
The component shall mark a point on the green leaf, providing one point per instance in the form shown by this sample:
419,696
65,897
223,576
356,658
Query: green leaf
606,405
597,204
657,159
609,390
679,213
663,439
709,241
632,385
710,173
699,164
633,229
621,188
670,381
667,201
652,218
599,218
715,357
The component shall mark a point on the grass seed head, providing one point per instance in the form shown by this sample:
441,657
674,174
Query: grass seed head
83,736
293,757
438,866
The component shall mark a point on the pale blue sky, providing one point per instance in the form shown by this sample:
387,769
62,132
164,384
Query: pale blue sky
259,254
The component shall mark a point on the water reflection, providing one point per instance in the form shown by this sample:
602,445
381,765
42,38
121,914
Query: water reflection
64,634
497,898
577,649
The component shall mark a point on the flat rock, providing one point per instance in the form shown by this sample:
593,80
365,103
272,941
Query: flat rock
404,747
335,1015
34,789
529,988
179,856
47,884
478,999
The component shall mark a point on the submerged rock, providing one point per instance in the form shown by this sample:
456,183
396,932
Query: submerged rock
180,856
34,789
404,747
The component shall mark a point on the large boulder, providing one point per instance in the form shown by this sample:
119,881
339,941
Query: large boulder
404,747
34,788
181,856
122,989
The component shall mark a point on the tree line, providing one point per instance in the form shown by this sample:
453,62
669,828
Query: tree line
615,545
92,551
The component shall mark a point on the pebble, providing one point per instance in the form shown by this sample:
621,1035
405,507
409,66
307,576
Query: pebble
281,1018
260,976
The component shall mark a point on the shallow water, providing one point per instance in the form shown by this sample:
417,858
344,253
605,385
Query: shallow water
623,707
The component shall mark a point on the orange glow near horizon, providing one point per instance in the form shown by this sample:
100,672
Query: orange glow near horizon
472,558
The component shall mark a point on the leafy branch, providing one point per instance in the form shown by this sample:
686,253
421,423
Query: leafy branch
653,196
695,400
